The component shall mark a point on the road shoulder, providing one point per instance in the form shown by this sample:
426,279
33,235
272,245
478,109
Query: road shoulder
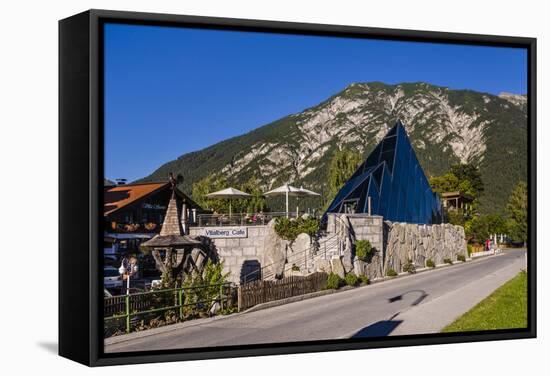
434,315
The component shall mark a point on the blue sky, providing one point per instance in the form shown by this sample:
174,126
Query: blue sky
169,91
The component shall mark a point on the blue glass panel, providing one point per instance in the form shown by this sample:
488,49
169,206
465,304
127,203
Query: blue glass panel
373,193
395,181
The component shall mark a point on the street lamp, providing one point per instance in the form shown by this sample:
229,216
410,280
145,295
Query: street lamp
128,268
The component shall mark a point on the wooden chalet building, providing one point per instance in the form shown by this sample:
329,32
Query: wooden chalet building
134,213
457,201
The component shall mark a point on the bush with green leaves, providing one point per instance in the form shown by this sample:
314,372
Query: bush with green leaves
391,273
461,258
448,261
409,267
364,279
364,250
289,229
201,289
352,279
334,281
430,263
469,249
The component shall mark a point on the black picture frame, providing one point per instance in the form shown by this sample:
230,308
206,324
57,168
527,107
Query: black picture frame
81,185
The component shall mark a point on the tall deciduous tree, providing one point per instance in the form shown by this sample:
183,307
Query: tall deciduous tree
257,201
208,185
342,165
517,212
445,183
482,227
471,174
465,178
212,183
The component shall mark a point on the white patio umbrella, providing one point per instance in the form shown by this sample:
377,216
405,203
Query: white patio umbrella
306,193
229,193
289,190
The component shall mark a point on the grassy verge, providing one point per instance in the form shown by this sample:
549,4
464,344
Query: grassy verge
505,308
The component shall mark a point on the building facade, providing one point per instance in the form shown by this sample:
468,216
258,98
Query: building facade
134,213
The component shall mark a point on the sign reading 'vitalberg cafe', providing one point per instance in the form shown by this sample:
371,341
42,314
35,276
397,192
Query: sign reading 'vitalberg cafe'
226,232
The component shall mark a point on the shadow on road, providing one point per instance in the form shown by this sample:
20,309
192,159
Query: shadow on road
422,296
385,327
378,329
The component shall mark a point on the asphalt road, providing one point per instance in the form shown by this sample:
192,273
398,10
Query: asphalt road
397,306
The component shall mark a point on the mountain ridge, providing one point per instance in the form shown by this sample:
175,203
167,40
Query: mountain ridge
446,126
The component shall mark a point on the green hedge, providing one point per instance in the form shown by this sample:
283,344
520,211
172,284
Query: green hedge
289,229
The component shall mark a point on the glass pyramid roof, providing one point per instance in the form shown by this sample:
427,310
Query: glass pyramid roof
394,180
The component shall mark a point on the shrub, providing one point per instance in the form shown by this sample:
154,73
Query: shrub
461,258
364,250
364,279
430,263
448,261
409,267
334,281
351,279
205,286
391,273
469,249
289,229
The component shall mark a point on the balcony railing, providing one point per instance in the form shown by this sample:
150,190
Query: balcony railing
241,219
132,228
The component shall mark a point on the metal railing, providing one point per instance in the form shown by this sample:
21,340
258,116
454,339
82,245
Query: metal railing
177,299
242,219
303,257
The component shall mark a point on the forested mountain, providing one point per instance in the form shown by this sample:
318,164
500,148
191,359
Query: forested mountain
445,127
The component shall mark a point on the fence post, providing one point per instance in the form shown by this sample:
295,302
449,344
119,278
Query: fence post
221,296
127,300
180,301
239,298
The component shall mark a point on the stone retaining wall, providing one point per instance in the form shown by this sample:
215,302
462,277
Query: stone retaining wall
419,243
394,244
236,251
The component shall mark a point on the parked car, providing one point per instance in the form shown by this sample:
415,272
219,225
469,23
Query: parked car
111,278
110,260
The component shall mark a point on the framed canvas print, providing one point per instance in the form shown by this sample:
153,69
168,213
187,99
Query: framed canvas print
239,187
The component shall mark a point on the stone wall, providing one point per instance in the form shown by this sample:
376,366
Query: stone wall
236,251
361,227
394,244
261,249
419,243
